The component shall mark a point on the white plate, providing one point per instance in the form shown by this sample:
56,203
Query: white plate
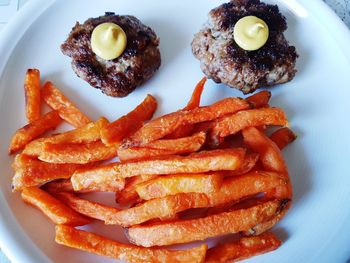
315,229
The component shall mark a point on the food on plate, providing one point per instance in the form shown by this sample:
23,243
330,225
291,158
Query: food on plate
243,248
32,172
169,169
184,231
158,208
93,243
182,183
223,60
255,117
129,195
32,94
33,130
116,131
86,207
54,209
86,134
119,76
77,153
251,33
183,145
282,137
215,160
66,109
108,41
98,179
164,125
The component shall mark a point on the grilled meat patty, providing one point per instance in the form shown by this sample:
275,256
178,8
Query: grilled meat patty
120,76
224,61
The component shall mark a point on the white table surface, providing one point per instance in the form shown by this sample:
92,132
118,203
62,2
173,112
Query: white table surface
9,7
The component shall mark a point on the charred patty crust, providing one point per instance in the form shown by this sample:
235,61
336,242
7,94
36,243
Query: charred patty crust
120,76
224,61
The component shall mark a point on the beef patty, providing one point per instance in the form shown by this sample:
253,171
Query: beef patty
120,76
224,61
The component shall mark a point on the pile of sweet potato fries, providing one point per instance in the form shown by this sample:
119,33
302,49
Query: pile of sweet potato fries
217,159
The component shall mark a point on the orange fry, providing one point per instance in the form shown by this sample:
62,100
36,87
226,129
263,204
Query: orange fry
102,246
32,94
116,131
232,190
159,208
248,118
164,147
216,160
33,130
102,178
250,184
129,195
54,209
66,109
270,155
31,172
192,104
86,207
243,248
57,186
182,183
77,153
282,137
259,99
162,234
248,164
162,126
196,95
201,162
86,134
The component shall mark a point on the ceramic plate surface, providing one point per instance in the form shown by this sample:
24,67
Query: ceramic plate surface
316,228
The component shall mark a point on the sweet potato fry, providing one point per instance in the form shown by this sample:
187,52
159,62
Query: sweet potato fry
103,178
77,153
86,134
57,186
215,160
194,102
202,162
248,164
32,94
270,155
196,95
66,109
250,184
182,183
232,190
161,208
129,195
102,246
282,137
33,130
86,207
162,126
243,248
164,147
264,226
31,172
116,131
259,99
52,208
248,118
184,231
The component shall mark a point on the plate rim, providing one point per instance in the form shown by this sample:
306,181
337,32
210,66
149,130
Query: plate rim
14,242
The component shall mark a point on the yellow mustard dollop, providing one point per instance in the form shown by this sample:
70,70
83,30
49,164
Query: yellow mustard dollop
108,41
251,33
